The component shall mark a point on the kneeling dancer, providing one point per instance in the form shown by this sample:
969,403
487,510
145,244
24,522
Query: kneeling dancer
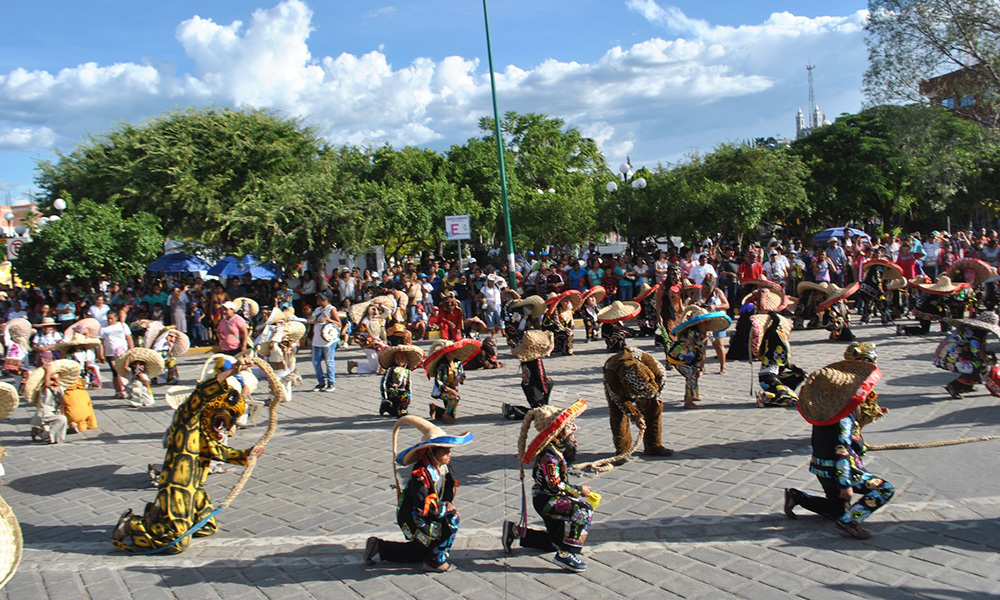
536,385
398,362
838,400
425,512
193,441
565,509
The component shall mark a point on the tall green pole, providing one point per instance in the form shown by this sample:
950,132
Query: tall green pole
511,266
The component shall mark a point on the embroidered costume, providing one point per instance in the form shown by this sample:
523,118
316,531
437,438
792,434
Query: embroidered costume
964,352
536,385
687,352
612,318
398,362
444,366
778,377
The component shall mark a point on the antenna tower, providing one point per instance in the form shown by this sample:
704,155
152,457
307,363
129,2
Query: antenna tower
812,98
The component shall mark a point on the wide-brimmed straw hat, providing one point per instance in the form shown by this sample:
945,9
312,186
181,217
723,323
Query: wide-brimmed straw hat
11,543
154,362
805,286
535,303
768,300
153,330
598,293
644,291
986,319
764,283
8,399
90,326
942,287
357,312
462,351
833,392
20,329
294,330
534,344
695,315
413,354
554,303
68,371
619,311
549,421
77,341
897,284
182,343
837,294
758,325
432,437
983,271
252,304
890,270
277,315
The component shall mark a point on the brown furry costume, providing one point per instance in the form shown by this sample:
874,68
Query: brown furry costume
633,381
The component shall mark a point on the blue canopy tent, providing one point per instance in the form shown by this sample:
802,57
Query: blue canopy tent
231,266
837,232
178,262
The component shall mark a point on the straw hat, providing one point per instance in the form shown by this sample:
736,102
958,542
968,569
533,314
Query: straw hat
402,300
597,292
78,340
644,291
897,284
8,399
758,325
619,311
20,329
695,315
67,370
987,320
153,330
555,303
981,269
942,287
764,283
549,421
890,270
153,360
277,315
290,314
462,351
182,343
47,322
534,344
432,437
833,392
254,307
534,303
89,326
805,286
294,330
11,543
413,354
767,300
177,395
837,294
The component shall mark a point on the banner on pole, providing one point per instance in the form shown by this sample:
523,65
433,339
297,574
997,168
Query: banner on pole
457,227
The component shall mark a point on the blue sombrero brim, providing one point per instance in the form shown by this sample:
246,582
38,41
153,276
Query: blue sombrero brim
717,316
445,441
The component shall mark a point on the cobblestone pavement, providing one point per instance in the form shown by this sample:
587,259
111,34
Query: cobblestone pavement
705,523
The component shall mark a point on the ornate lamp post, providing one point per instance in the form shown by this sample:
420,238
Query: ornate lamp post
625,201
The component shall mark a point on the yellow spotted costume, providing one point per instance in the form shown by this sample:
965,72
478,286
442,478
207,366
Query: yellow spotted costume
191,446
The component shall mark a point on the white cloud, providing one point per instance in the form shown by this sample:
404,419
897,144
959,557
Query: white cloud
384,11
654,98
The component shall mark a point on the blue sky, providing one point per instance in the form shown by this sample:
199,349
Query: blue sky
653,79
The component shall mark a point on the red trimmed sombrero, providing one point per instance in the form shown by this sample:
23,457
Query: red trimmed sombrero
837,294
463,350
573,296
890,269
833,392
550,429
597,292
646,292
764,283
981,269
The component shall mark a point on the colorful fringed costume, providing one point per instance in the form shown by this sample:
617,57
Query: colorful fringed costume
778,377
395,391
193,441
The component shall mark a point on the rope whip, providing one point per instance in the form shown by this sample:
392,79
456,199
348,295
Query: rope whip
934,444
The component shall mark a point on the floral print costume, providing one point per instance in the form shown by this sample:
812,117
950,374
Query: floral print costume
448,373
562,506
964,352
836,462
395,391
687,355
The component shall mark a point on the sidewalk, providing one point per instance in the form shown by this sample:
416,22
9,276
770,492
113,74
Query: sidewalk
705,523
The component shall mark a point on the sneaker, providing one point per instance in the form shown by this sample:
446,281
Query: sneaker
570,562
790,503
508,536
854,530
330,388
371,550
319,388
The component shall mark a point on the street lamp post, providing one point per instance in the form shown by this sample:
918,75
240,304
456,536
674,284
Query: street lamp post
637,183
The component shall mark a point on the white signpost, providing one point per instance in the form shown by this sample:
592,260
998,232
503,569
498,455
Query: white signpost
458,228
13,247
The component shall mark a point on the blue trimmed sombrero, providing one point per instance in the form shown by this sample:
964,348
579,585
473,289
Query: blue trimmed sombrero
717,320
433,436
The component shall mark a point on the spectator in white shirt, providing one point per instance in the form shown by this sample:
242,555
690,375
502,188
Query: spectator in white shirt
699,271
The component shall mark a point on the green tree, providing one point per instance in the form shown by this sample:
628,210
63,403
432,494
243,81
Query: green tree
90,240
910,41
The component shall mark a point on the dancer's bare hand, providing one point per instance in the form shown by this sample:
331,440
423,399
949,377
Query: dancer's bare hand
642,423
846,493
585,490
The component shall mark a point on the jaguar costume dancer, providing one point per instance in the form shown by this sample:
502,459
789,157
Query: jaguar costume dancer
633,382
778,377
193,441
839,400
